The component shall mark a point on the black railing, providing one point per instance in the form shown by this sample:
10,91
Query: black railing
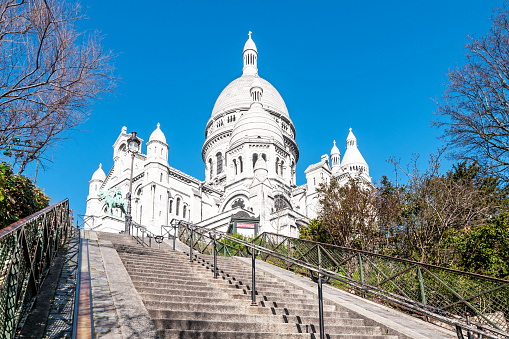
435,288
142,235
206,241
27,248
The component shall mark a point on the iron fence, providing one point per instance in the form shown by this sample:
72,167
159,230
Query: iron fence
203,242
424,289
27,248
483,300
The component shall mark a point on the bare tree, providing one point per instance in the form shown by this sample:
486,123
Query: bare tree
50,73
437,206
475,108
348,214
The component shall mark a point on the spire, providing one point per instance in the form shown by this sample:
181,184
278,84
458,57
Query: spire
335,155
351,140
250,55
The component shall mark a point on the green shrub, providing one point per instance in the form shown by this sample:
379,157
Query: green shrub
19,197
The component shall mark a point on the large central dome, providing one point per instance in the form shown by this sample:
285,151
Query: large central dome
236,96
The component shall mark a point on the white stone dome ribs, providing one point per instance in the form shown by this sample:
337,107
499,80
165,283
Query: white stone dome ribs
236,96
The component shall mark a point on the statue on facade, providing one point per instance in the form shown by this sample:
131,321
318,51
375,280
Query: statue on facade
113,199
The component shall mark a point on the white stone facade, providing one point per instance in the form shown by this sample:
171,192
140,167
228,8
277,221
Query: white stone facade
250,155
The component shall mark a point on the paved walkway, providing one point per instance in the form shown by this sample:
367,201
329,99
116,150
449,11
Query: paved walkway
104,313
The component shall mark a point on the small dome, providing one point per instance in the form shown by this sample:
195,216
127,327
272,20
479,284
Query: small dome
157,135
334,150
352,154
250,44
99,174
256,123
353,157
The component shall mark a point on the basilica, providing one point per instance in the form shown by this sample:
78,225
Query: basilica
250,156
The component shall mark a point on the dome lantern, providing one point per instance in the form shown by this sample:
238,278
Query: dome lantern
250,55
256,91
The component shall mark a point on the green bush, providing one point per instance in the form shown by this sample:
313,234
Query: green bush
19,197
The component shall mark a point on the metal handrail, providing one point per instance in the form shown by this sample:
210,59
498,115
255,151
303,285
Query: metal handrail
432,286
145,234
27,249
482,330
354,250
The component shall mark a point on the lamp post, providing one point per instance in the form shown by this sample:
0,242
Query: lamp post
133,146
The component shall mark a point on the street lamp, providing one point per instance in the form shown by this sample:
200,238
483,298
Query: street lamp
133,146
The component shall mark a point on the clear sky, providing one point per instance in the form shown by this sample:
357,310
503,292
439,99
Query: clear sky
374,66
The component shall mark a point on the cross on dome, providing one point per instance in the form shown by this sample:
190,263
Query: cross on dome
158,125
249,34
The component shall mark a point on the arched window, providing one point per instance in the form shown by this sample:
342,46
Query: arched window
184,212
161,178
277,165
281,168
171,206
235,166
255,157
240,165
211,168
264,157
219,159
177,207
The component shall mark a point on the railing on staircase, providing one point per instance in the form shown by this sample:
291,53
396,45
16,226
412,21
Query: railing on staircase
142,235
481,299
426,292
27,248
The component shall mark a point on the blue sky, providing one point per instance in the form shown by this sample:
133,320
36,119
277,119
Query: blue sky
374,66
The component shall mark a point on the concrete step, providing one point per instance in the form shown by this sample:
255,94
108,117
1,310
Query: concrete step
180,334
268,318
182,292
234,326
216,316
220,306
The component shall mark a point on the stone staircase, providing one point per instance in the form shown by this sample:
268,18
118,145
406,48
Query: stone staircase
184,301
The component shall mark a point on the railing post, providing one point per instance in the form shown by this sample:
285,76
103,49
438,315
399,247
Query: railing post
142,238
421,285
361,266
470,335
253,278
174,235
215,257
320,304
191,247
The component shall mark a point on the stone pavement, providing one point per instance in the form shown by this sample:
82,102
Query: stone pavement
105,316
